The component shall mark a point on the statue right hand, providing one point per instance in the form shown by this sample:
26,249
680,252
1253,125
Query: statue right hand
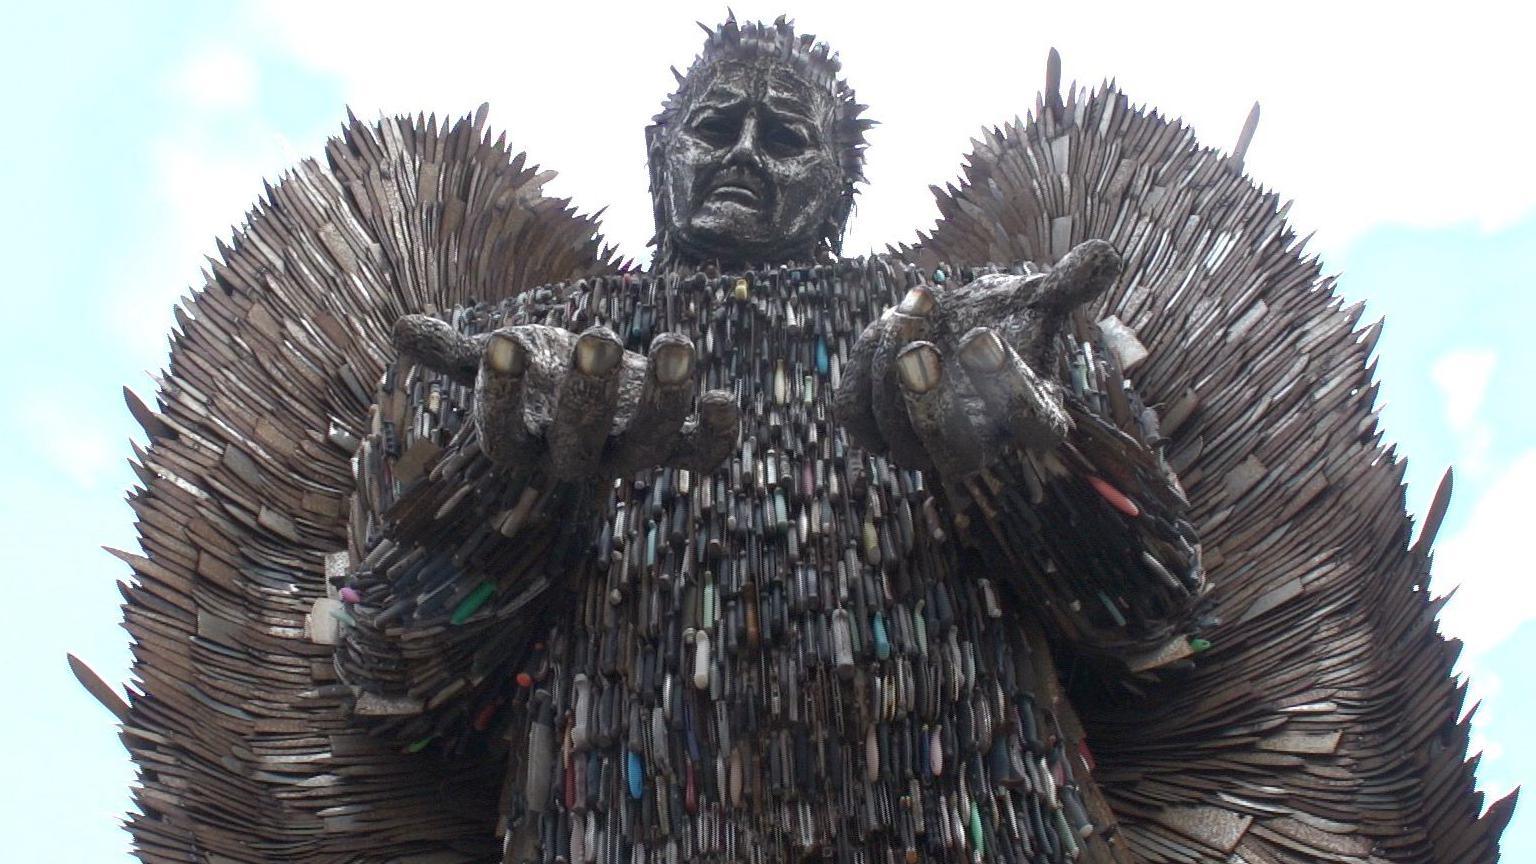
580,405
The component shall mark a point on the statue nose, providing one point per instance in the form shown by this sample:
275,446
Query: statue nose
745,150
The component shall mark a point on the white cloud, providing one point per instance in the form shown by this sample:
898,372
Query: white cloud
217,77
1371,114
1494,582
1483,689
1493,598
1462,377
205,183
207,164
69,436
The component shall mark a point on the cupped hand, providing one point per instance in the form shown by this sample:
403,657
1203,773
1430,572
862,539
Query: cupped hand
579,404
950,378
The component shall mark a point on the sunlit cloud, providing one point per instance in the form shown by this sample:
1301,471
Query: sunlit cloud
206,164
1461,376
217,77
1355,148
1495,593
69,438
1483,688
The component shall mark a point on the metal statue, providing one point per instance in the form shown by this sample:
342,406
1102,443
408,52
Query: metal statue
1064,534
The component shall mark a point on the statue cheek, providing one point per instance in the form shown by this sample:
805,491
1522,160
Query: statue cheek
810,194
684,165
680,194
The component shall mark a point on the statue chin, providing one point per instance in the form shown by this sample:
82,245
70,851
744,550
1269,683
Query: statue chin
736,233
729,218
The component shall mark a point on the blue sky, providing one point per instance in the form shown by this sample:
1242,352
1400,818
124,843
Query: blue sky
140,132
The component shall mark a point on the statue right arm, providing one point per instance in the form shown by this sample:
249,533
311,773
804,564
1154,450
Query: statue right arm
478,490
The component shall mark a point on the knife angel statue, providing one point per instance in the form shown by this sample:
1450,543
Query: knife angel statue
1063,534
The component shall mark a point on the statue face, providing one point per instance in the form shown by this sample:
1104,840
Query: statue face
750,172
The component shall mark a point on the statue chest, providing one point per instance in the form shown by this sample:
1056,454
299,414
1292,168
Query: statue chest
775,653
800,549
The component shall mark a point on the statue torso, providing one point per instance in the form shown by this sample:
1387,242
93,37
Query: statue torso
787,656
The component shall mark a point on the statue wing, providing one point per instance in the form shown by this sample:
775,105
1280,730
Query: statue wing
236,720
1323,720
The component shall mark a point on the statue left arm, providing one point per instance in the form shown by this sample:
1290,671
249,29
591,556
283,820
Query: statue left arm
1026,420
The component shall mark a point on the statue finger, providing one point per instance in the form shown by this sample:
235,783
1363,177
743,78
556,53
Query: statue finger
1020,407
666,394
585,401
909,321
935,400
992,298
499,384
706,441
1082,275
435,344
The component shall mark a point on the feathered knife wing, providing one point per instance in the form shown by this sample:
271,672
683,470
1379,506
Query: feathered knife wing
236,720
1322,723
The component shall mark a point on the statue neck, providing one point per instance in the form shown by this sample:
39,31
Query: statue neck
674,254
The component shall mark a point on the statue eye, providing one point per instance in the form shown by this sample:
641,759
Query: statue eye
717,130
780,140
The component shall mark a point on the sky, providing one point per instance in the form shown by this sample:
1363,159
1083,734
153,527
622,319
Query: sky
141,132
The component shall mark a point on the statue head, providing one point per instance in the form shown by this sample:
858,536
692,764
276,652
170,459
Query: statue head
754,158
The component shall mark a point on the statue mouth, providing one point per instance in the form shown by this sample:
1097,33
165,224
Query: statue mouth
735,192
737,186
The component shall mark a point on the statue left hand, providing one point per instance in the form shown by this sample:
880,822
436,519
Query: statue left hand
951,378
